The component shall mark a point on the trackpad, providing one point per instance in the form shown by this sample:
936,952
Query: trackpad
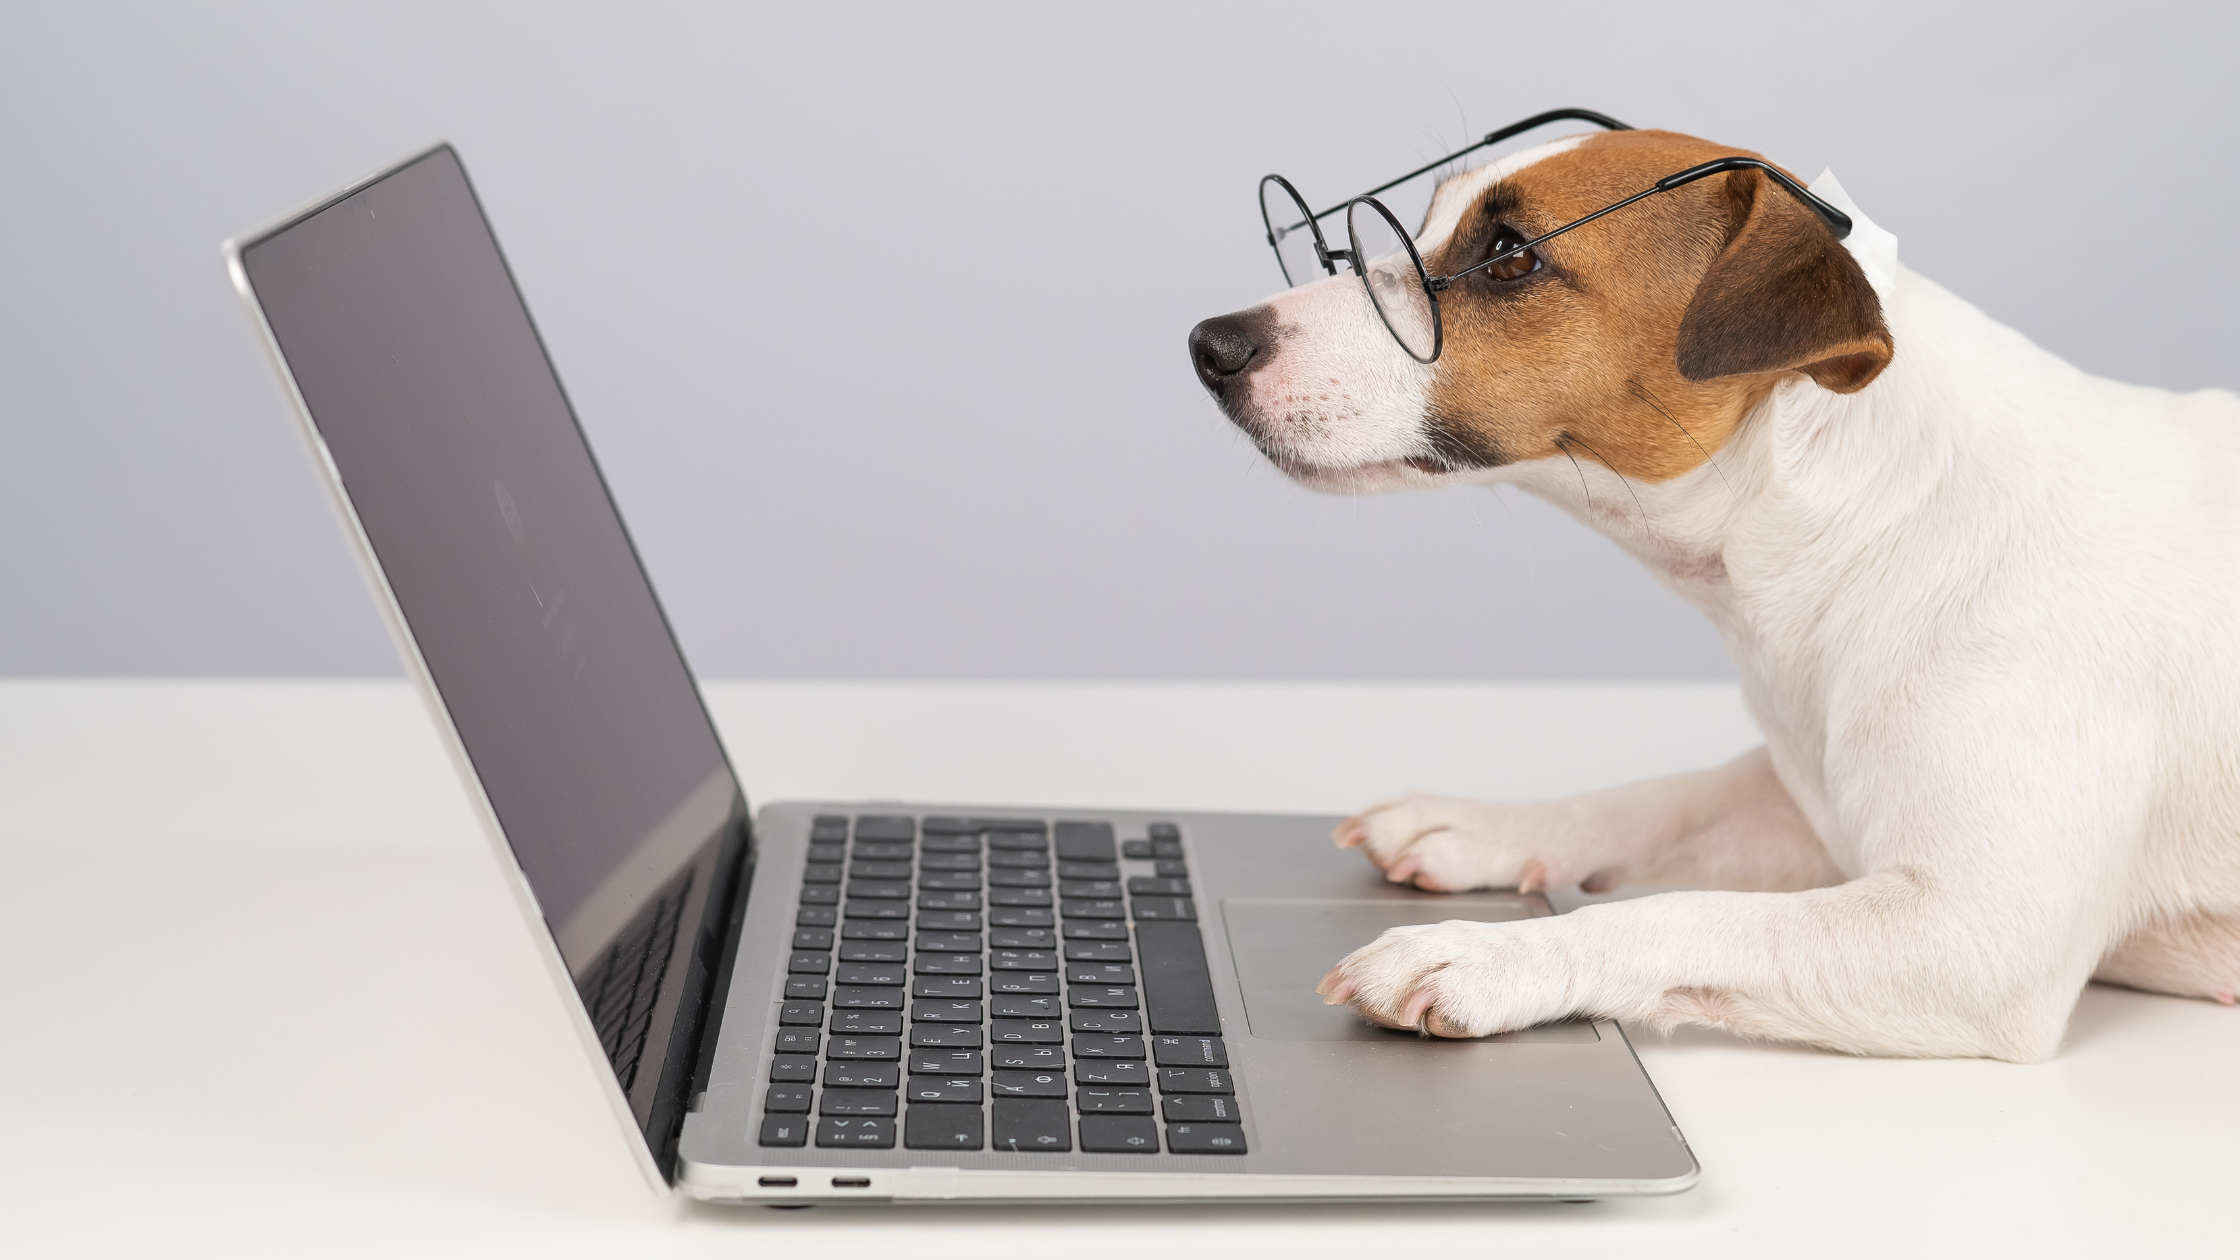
1284,948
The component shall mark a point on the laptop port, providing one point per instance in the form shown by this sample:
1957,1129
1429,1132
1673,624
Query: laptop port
777,1181
851,1183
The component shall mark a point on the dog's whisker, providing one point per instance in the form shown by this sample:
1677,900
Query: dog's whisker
1642,393
1561,439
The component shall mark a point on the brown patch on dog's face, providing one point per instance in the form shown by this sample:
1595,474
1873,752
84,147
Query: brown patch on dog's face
1642,340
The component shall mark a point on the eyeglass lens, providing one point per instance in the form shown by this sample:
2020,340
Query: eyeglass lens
1395,278
1292,225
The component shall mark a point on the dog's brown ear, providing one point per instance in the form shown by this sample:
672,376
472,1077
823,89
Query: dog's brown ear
1783,296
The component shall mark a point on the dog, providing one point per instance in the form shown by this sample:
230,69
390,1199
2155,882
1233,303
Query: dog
1985,609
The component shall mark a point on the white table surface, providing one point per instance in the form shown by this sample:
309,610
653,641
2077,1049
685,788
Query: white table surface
263,993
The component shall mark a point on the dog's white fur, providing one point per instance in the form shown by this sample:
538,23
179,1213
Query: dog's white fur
1987,613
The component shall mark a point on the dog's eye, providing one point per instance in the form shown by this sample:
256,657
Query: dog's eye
1515,265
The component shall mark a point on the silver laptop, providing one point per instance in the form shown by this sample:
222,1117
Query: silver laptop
834,1002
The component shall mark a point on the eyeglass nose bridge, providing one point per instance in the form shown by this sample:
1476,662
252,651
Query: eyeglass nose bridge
1331,257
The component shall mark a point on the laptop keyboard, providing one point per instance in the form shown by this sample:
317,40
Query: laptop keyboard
968,984
620,988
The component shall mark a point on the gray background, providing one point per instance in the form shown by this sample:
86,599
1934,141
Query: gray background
875,314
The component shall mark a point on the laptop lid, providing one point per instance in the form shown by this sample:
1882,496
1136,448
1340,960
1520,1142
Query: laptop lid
518,600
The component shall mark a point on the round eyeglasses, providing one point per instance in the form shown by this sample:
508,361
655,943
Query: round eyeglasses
1381,252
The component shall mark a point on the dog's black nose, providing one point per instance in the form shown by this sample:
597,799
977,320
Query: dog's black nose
1222,348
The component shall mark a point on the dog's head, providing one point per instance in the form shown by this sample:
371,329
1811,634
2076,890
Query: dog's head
1638,341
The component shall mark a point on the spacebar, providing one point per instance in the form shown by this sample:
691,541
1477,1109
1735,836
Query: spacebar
1177,988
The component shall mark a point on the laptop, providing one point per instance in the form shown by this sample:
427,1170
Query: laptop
831,1002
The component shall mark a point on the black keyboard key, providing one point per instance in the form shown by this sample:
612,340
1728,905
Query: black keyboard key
1030,1124
792,1100
798,1041
1076,888
1166,848
1135,850
944,1011
1205,1139
785,1130
809,1014
945,1036
1001,860
1084,841
948,824
872,973
1211,1108
1163,831
809,963
1022,938
793,1069
947,965
884,851
1026,1032
1165,909
879,889
1110,997
885,827
943,1089
1034,825
1153,886
1189,1052
874,951
1195,1081
1031,898
828,827
933,844
966,863
1023,960
948,901
1020,1006
820,896
942,1127
874,930
1114,1102
855,909
1015,842
868,997
1016,1084
859,1074
1030,1058
816,917
857,1102
870,1132
876,871
812,938
1092,909
1098,951
1107,1046
1109,871
1100,973
826,854
867,1023
1174,868
1009,878
1024,982
811,987
932,1061
948,921
1101,1021
1177,987
949,881
1021,916
856,1048
956,988
949,942
1132,1135
1095,930
821,875
1112,1072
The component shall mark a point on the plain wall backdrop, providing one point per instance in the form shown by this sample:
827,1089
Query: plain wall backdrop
875,314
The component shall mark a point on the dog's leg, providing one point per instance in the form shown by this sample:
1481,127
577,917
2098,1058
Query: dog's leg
2191,957
1732,827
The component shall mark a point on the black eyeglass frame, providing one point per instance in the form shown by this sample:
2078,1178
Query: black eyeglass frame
1838,223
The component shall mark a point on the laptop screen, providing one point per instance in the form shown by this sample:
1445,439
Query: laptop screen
422,373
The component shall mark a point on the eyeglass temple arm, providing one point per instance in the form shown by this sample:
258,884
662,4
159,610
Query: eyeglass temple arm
1839,223
1604,121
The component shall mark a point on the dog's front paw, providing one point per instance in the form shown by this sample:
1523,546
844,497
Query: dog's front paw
1456,979
1449,845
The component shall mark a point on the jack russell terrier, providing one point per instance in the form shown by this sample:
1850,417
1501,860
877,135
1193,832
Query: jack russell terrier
1985,608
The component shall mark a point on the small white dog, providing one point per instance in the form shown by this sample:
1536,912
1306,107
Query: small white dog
1986,609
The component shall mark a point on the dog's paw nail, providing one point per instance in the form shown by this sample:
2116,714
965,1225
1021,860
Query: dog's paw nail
1402,871
1419,1002
1340,993
2225,999
1534,879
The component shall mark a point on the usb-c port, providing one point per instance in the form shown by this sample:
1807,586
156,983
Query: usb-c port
777,1181
851,1183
